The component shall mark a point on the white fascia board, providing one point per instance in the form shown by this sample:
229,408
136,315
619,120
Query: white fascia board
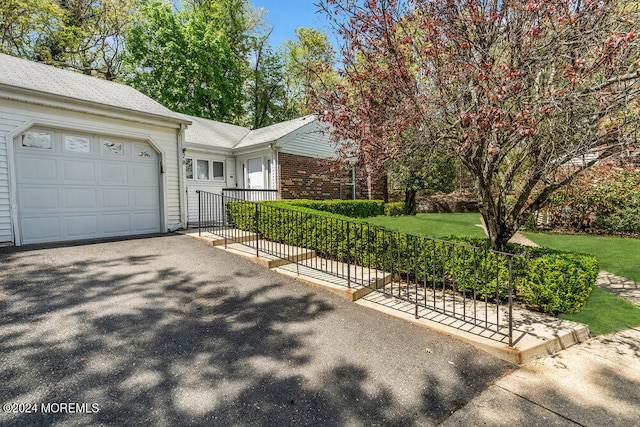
208,149
28,96
254,148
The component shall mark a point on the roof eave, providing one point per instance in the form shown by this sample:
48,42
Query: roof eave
68,103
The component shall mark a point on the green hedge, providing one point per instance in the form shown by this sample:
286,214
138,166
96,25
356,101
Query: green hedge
395,209
549,280
552,281
349,208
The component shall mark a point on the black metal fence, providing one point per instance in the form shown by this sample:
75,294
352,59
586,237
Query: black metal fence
250,194
472,286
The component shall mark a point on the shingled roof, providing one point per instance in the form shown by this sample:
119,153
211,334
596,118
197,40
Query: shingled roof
218,134
274,132
37,77
213,133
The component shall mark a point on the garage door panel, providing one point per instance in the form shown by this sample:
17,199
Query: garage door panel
145,174
41,229
116,224
38,199
79,227
68,195
141,221
145,199
80,198
37,169
114,173
115,198
83,171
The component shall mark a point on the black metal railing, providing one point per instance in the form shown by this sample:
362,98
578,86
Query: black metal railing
472,285
250,194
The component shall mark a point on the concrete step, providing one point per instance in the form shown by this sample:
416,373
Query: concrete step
274,254
221,237
534,334
349,281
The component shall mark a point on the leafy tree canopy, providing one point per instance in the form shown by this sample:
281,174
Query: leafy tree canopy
517,90
191,60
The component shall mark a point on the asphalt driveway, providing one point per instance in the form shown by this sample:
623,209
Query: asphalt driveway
171,331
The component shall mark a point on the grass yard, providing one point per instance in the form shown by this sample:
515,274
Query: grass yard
617,255
433,225
606,313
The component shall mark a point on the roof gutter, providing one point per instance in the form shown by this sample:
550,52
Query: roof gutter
105,110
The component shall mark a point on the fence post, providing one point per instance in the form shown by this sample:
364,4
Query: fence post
348,256
199,214
510,302
257,240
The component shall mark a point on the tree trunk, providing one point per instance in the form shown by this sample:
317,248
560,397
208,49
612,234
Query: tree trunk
410,201
498,229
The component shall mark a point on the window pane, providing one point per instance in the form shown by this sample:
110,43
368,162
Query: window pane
37,139
218,169
79,144
203,169
114,148
189,167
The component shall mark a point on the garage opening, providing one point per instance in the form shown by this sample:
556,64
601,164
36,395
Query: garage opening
74,186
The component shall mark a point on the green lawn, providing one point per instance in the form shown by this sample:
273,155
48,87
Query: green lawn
606,313
433,225
617,255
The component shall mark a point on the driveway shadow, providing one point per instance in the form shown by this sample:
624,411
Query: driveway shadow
169,331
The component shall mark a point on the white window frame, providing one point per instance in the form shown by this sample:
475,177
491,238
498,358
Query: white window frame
210,162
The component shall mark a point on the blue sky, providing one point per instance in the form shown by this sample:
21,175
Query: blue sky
287,15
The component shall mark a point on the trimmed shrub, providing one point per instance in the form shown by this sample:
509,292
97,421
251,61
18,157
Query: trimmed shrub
552,281
349,208
549,280
559,282
395,209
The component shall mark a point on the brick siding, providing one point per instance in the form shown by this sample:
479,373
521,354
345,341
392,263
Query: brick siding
308,178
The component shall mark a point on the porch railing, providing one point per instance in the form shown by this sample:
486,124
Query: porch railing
472,285
250,194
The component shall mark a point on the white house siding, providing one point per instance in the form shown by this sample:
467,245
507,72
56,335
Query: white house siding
15,115
211,185
5,211
308,142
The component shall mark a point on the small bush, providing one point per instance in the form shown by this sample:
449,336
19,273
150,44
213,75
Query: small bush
601,199
559,282
395,209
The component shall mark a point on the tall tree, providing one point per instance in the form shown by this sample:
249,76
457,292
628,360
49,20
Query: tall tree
309,66
191,60
519,90
25,22
80,35
415,169
267,100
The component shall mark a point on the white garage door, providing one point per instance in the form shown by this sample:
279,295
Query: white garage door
73,186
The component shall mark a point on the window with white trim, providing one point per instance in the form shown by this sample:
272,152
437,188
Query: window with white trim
204,170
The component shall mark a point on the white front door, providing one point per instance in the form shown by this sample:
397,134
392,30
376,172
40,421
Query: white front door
255,175
84,186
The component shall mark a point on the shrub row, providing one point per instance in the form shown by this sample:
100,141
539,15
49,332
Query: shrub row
349,208
552,281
